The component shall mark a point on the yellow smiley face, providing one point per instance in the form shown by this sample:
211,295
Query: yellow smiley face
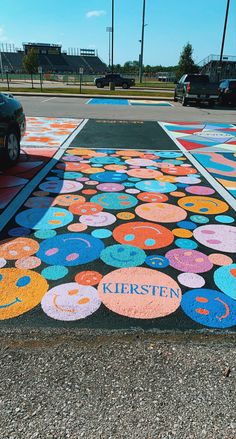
20,291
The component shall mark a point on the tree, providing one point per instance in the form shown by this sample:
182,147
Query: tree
30,63
186,62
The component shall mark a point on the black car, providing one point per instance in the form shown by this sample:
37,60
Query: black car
227,91
12,128
117,79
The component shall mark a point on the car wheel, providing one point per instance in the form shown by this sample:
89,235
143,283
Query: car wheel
175,98
125,85
12,147
99,85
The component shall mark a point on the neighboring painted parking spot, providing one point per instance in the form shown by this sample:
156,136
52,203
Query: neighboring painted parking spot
133,102
143,249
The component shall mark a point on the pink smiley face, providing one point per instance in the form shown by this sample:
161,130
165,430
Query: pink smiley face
189,261
98,219
110,187
217,236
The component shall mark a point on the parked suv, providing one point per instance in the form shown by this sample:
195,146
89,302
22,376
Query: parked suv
12,127
118,80
227,91
196,88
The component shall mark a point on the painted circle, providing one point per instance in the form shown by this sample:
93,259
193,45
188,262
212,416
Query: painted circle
70,301
77,227
88,278
101,233
139,293
110,187
54,272
182,233
68,199
50,218
61,186
110,177
115,200
19,231
200,190
225,280
100,219
206,205
191,280
225,219
29,262
42,202
199,219
217,236
145,235
186,243
190,261
219,259
18,248
45,233
144,173
85,208
151,197
125,216
161,212
155,186
70,249
157,261
21,290
123,256
209,308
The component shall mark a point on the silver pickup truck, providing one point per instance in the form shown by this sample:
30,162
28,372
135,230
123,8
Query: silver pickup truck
196,89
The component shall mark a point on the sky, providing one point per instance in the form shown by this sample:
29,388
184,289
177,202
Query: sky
170,24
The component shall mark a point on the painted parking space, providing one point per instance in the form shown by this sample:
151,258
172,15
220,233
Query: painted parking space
120,238
133,102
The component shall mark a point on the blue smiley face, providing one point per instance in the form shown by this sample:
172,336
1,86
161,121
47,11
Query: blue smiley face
209,308
122,256
110,177
105,160
225,280
39,218
168,154
70,249
156,186
157,261
115,200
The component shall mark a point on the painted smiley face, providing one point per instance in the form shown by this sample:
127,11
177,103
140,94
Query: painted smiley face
144,235
98,219
105,160
68,199
70,249
156,186
190,261
205,205
110,187
225,280
209,308
20,291
85,208
115,201
157,261
70,301
41,202
18,248
144,173
150,197
161,212
217,236
110,177
61,186
178,170
50,218
122,256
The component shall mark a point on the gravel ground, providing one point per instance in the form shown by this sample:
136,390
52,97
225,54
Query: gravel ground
132,386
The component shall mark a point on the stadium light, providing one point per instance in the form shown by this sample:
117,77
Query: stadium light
112,35
142,44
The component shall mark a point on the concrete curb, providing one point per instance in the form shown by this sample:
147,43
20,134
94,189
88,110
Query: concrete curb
89,96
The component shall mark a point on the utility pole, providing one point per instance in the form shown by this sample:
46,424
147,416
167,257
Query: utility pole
223,38
112,36
109,30
142,44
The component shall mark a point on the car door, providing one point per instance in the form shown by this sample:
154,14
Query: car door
180,86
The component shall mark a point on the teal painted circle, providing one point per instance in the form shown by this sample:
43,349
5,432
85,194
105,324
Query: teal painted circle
173,161
115,200
199,219
186,243
45,233
150,242
54,272
101,233
128,184
129,237
168,154
225,280
135,179
50,218
156,186
105,160
122,256
225,219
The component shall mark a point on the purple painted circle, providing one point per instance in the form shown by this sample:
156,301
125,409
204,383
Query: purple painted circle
110,187
98,219
191,280
190,261
200,190
217,236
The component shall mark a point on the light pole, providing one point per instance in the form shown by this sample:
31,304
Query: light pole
112,35
223,37
109,30
142,44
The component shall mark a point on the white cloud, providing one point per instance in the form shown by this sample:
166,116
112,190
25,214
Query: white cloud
90,14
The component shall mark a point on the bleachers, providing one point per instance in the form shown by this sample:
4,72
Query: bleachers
12,60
